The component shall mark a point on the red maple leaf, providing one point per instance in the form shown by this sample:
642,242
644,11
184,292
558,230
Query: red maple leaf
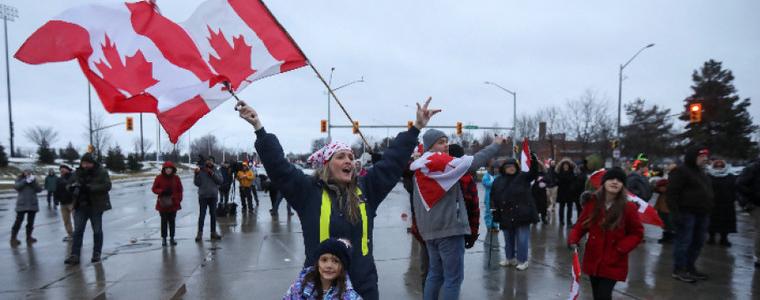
133,76
233,61
438,162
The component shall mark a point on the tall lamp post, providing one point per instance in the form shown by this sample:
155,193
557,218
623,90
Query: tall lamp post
8,13
329,83
514,114
620,85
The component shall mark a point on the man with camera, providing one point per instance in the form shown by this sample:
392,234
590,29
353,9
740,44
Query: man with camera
207,179
89,187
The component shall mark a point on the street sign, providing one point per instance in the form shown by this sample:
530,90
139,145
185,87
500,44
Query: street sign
471,127
616,153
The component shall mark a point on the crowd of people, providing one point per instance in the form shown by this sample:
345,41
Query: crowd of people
337,206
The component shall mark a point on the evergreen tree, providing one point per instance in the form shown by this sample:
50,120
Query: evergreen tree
45,155
133,162
726,127
3,157
115,160
649,131
69,154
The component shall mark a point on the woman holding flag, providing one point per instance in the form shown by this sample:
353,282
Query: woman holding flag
335,202
614,228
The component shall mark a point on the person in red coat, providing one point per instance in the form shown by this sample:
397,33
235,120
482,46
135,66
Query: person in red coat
614,230
168,187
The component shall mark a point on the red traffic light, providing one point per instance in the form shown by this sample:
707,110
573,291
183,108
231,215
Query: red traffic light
695,112
130,124
459,128
323,126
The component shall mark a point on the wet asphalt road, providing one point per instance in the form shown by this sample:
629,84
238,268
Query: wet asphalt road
259,257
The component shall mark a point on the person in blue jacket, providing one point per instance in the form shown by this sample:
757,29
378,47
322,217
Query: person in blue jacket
335,202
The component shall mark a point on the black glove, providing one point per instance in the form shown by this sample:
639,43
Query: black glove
469,241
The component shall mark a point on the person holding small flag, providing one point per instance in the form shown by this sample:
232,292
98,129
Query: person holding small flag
614,230
336,202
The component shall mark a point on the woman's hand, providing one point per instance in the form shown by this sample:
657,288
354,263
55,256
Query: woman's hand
249,114
424,114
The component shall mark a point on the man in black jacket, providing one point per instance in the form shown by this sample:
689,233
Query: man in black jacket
748,185
690,200
90,187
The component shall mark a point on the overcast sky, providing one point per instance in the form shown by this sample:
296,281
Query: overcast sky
547,51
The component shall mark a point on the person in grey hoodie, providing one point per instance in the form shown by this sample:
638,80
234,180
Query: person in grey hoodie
207,179
445,225
26,204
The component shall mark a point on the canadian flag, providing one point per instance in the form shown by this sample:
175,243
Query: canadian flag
575,287
139,61
525,156
435,173
647,213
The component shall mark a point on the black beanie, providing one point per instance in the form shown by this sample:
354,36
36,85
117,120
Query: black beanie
455,150
87,157
614,173
337,248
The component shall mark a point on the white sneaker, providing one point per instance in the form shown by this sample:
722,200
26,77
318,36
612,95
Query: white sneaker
522,266
508,263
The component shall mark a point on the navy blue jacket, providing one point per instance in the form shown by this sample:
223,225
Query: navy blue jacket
304,194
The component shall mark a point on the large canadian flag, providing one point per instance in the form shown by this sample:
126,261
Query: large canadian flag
647,213
139,61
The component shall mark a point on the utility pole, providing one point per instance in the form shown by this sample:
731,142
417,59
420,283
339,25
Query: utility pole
89,110
329,83
142,145
8,13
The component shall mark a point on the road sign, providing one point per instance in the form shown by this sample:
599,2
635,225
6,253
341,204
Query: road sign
616,153
471,127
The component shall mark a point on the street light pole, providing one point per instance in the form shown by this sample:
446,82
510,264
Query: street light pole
514,114
8,13
329,83
620,85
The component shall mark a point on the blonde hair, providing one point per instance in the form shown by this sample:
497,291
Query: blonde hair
350,204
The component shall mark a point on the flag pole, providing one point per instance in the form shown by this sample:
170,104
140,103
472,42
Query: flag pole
321,78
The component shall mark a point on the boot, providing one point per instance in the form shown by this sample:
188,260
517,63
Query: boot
95,257
163,241
14,241
172,242
72,260
215,236
198,237
29,238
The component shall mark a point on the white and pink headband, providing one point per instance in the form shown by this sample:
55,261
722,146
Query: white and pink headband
321,157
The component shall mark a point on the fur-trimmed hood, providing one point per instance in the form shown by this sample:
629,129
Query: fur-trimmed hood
558,168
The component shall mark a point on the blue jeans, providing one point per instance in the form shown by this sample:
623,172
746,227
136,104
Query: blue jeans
81,215
517,240
210,205
446,268
691,230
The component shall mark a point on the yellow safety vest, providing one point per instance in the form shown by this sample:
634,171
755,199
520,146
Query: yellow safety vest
324,220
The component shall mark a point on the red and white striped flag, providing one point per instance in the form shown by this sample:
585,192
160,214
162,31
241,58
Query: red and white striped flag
575,287
647,213
525,156
139,61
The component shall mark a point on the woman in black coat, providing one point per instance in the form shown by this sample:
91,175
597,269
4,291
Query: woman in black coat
538,190
723,217
568,191
515,209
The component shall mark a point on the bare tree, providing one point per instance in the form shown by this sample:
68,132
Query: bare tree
41,135
527,126
101,139
552,115
588,120
206,146
147,144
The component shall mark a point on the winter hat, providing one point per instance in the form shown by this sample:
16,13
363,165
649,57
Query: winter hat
430,137
614,173
338,248
65,167
87,157
323,155
455,150
508,162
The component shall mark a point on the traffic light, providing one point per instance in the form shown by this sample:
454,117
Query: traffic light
615,144
409,124
323,126
695,112
130,124
355,128
459,128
